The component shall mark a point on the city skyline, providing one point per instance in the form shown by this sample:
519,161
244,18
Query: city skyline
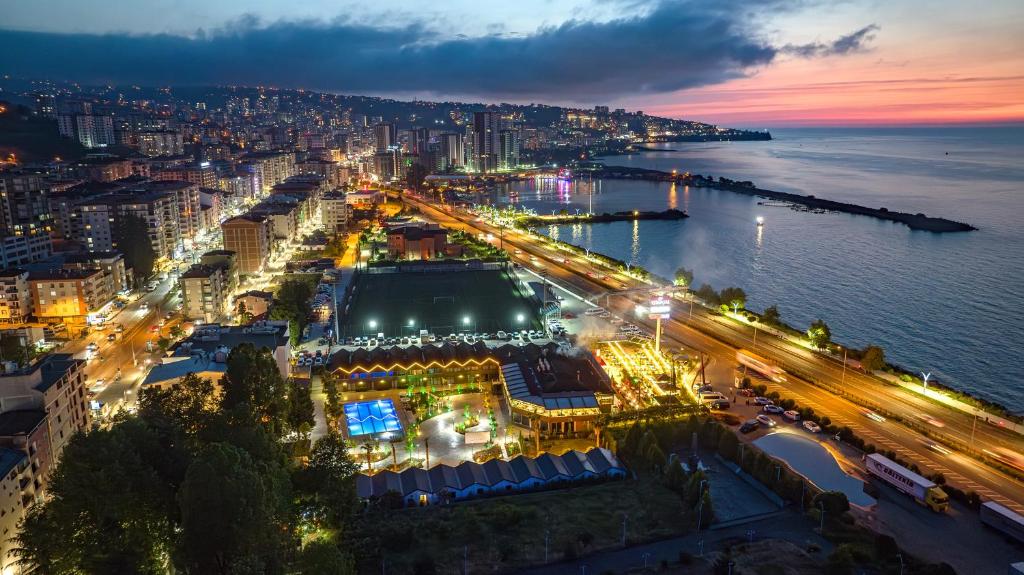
738,63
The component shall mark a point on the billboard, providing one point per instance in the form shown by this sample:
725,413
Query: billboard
659,308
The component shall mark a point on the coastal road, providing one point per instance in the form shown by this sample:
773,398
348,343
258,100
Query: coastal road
812,377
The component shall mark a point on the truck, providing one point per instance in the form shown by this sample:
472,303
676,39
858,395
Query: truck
923,491
1003,519
760,365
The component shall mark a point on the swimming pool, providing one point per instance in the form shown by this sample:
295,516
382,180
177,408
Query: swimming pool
370,417
808,458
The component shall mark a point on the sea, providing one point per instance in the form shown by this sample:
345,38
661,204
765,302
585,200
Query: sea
951,304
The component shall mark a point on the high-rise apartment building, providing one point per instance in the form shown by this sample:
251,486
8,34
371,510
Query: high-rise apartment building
486,130
249,236
90,130
452,151
161,143
384,137
508,153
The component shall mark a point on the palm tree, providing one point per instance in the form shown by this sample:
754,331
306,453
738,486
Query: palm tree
369,446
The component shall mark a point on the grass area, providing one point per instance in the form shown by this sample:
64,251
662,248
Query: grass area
438,302
507,533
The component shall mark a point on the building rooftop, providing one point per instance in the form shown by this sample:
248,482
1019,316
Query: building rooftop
10,459
63,274
211,337
53,367
20,421
173,369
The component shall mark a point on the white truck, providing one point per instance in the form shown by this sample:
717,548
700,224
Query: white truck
925,492
1003,519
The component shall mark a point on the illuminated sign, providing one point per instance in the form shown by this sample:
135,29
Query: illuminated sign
659,308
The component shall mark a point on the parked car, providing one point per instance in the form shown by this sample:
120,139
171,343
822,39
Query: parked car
749,426
812,427
111,337
765,420
746,392
763,401
772,409
791,415
720,404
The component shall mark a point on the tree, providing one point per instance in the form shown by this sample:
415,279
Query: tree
291,303
14,349
369,446
300,407
176,332
771,315
683,277
872,358
416,175
189,403
819,334
734,297
253,384
109,510
708,295
131,238
329,479
834,502
333,407
242,311
323,557
231,514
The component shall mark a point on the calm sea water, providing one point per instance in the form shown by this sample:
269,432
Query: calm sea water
949,304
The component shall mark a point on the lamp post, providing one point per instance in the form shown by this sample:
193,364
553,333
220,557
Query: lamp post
700,515
821,505
843,381
924,378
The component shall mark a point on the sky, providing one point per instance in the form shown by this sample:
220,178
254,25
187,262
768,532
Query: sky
742,63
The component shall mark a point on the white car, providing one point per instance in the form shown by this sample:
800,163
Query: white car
765,420
791,415
812,427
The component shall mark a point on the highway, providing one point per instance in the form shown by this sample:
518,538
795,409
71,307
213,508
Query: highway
814,380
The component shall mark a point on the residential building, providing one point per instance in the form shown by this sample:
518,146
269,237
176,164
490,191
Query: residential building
202,174
205,291
55,385
22,250
103,168
15,297
161,143
486,130
24,204
417,241
255,303
334,212
282,212
90,130
249,236
15,499
388,165
269,167
111,263
384,137
508,155
186,195
93,222
453,154
69,295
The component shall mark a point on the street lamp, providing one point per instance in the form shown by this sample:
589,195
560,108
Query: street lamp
465,320
520,318
925,377
373,324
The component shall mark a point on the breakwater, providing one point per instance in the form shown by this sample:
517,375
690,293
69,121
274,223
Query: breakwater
917,221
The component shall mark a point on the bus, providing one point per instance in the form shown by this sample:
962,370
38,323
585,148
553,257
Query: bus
760,365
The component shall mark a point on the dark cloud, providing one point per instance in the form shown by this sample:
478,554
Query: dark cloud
668,46
848,44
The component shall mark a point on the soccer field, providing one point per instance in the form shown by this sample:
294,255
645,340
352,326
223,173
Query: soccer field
398,304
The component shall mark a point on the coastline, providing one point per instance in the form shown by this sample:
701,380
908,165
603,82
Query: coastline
669,214
917,221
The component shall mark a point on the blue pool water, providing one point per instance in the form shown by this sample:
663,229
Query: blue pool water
366,417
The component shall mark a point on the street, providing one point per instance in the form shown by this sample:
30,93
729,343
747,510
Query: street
720,338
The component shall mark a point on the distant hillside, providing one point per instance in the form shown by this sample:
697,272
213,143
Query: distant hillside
33,139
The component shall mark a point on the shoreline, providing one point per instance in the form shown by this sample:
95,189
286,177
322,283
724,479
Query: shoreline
669,214
918,221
